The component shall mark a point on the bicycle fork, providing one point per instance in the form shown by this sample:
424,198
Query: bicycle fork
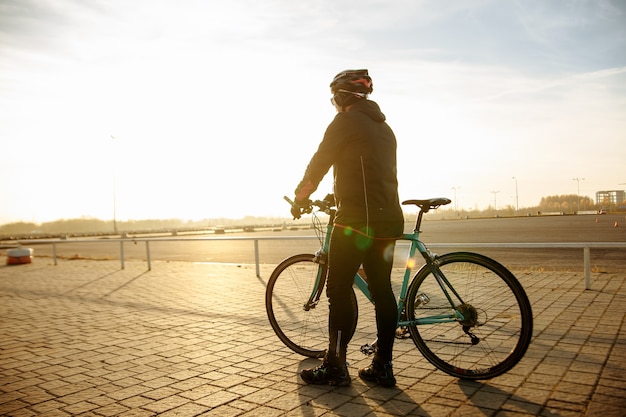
320,258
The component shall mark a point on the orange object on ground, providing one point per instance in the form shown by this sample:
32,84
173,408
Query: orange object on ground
19,256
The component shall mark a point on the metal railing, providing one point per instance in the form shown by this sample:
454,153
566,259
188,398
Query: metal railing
585,246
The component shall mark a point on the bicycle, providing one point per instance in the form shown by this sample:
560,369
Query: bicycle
466,313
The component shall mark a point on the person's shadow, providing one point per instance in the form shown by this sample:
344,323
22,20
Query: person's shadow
489,398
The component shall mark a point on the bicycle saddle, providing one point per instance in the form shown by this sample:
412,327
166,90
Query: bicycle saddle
431,203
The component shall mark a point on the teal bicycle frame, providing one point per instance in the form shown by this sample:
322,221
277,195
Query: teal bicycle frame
416,246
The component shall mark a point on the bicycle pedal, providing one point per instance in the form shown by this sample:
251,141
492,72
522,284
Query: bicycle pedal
368,349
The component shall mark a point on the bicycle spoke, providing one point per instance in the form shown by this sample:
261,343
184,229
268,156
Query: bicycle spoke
492,335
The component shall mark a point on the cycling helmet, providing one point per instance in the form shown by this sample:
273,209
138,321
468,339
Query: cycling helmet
357,82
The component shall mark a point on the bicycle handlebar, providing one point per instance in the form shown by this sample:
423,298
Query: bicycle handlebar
324,205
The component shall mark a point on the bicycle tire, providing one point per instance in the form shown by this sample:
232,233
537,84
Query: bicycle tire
289,288
497,311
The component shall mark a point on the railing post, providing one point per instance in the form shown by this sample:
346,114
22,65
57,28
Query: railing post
148,255
587,265
256,258
122,253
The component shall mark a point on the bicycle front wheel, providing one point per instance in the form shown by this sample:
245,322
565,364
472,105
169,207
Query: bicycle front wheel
496,325
297,306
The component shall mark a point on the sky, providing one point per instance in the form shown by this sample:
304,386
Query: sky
197,109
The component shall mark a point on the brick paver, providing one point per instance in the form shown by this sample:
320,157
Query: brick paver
188,339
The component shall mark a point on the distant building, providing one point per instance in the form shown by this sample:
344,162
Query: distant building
614,197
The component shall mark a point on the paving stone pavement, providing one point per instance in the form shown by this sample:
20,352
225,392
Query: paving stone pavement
188,339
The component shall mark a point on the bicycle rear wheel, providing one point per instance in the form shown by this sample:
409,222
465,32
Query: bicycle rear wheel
497,323
297,306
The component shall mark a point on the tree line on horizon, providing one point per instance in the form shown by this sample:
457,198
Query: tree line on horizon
567,204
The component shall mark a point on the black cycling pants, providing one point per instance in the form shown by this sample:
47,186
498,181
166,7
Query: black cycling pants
348,251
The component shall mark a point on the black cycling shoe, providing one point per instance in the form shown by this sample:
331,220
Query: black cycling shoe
327,374
380,372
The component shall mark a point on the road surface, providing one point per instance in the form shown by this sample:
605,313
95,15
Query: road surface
276,245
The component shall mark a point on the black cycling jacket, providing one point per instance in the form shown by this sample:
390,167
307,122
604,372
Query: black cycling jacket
361,148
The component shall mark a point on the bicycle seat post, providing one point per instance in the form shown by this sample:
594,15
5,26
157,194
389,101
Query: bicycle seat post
418,221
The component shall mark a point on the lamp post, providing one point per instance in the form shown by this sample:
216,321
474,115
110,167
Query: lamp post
456,207
578,180
516,198
495,205
114,192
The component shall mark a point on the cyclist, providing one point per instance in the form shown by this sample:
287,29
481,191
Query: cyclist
361,148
